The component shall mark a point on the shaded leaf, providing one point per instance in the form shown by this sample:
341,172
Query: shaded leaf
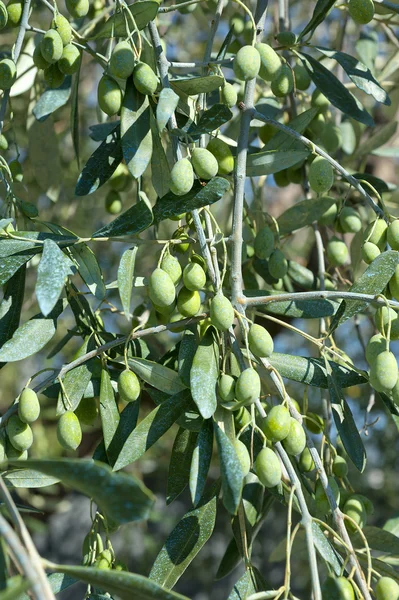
127,422
273,161
74,117
297,309
325,549
187,349
320,12
134,220
109,415
245,586
231,472
204,374
379,539
76,380
201,461
180,461
197,85
125,278
167,104
89,269
11,305
160,170
101,131
136,137
284,141
51,99
54,267
58,582
161,377
303,213
44,156
210,120
379,138
142,11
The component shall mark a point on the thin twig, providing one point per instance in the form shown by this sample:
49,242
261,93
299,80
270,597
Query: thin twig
318,295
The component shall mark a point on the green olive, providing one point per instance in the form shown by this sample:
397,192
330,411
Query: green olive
19,433
320,101
109,95
38,59
122,60
14,12
361,11
53,76
384,371
286,38
181,177
221,151
337,588
226,387
340,467
243,456
322,503
264,243
277,424
247,63
188,302
268,468
128,386
370,252
228,95
204,163
113,202
260,341
8,73
387,589
302,78
393,235
145,80
171,266
349,220
62,26
283,83
248,386
376,344
70,60
120,178
306,462
161,288
87,411
278,264
331,138
51,46
194,277
337,252
221,312
28,406
330,215
382,316
355,509
376,233
77,8
321,175
3,15
270,62
69,432
295,441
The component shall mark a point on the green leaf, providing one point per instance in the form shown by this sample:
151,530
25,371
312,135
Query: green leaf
245,586
230,560
101,164
121,497
204,374
199,196
167,104
201,461
74,116
127,423
358,73
161,377
58,582
101,131
285,141
296,309
210,120
10,265
151,428
303,213
379,539
109,415
54,268
28,478
192,86
50,100
231,472
380,137
160,170
305,278
125,279
11,305
325,549
184,543
33,244
89,269
134,220
15,587
334,90
76,380
143,12
273,161
320,12
367,48
136,137
180,461
187,349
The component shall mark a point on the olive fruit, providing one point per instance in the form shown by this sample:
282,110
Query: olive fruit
104,560
394,284
281,178
181,177
3,15
322,504
295,441
283,82
376,344
221,151
387,589
361,11
278,264
286,38
161,288
19,433
294,174
355,509
182,247
277,424
194,277
266,132
243,456
63,28
188,302
319,100
237,23
204,163
3,143
14,12
370,252
87,411
340,467
321,175
38,59
384,371
77,8
264,243
16,170
172,267
302,78
248,386
337,252
113,202
222,312
268,468
28,406
14,454
228,95
349,220
260,341
3,455
128,386
226,387
382,316
328,217
8,73
306,462
270,62
109,95
144,78
337,588
53,76
241,418
69,432
376,233
393,235
246,63
122,60
51,46
120,178
70,60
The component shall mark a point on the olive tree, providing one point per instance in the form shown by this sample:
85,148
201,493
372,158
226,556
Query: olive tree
238,198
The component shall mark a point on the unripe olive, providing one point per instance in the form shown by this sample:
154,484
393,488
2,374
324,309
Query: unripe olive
264,243
317,125
188,302
38,59
243,456
376,344
172,267
53,76
87,411
393,235
69,432
70,60
104,560
62,26
283,83
302,78
387,589
144,78
16,170
382,316
14,11
268,468
181,177
331,138
120,178
355,509
3,143
181,248
8,73
266,132
122,60
247,63
128,386
384,371
221,151
376,233
278,264
319,100
349,220
222,312
51,46
241,418
321,175
14,454
337,588
113,202
248,386
3,15
306,462
330,215
340,467
394,284
322,503
161,288
294,174
3,455
277,424
204,163
260,341
194,277
286,38
337,252
19,433
281,178
270,62
370,252
109,95
28,406
237,23
228,95
295,441
361,11
226,387
77,8
164,312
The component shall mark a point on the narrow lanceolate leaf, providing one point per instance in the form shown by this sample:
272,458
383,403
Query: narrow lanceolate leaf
152,428
134,220
320,12
124,585
160,170
127,422
297,309
184,543
109,414
187,349
325,549
28,478
54,267
122,497
51,99
89,269
10,265
284,141
204,374
10,306
379,539
272,161
58,582
76,381
245,586
231,471
160,377
143,12
180,461
375,141
303,213
167,104
201,461
74,117
197,85
125,278
209,121
136,138
334,90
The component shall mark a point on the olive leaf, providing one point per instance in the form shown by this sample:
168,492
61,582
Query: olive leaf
161,377
76,380
51,99
109,415
28,478
187,348
180,461
143,11
136,137
303,213
321,10
89,269
125,278
134,220
11,305
204,374
231,471
167,104
191,86
54,267
58,583
273,161
201,461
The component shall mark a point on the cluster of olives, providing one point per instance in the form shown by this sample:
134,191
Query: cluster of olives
340,588
18,437
264,248
95,555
